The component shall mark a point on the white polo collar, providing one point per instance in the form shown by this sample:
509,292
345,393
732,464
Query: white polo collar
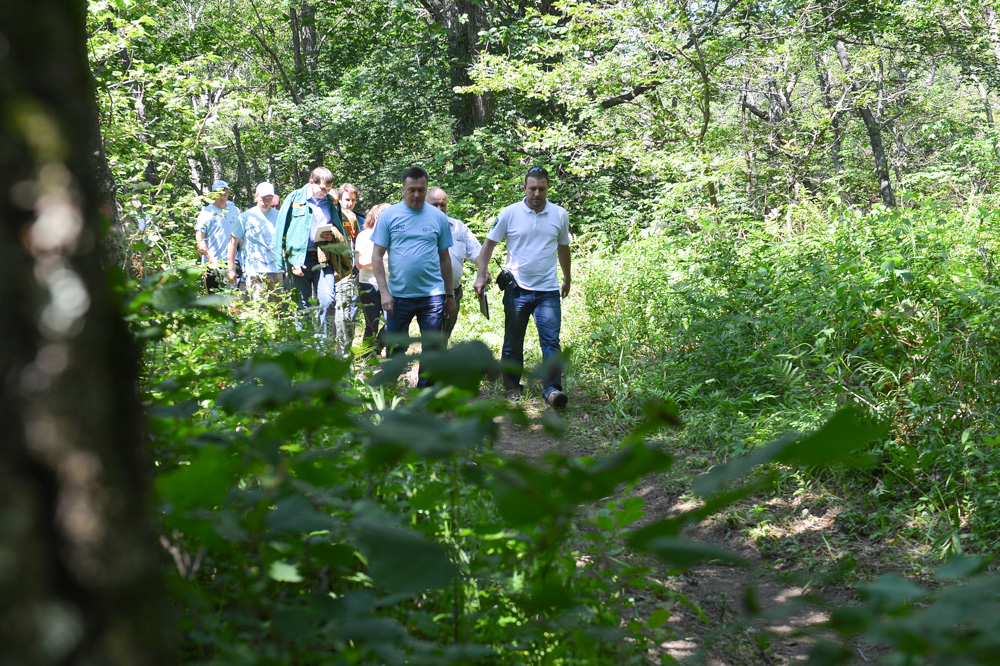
528,208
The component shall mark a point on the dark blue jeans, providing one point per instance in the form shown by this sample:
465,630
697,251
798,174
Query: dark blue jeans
429,311
518,306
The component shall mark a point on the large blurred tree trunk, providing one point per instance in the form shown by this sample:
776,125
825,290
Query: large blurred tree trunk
78,579
464,20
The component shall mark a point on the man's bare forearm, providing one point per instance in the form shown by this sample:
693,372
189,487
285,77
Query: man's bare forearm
378,267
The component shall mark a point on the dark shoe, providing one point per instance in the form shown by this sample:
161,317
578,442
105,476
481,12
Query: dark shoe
557,399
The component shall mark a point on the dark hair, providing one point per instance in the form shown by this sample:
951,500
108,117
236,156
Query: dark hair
414,173
536,172
348,188
321,175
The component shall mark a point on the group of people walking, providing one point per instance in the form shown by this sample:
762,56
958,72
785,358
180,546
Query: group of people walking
400,262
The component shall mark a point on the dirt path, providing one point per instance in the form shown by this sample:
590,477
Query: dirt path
723,594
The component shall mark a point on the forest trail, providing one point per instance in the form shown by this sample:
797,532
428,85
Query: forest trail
723,633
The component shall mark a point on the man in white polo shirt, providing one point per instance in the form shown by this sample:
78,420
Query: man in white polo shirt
537,233
464,246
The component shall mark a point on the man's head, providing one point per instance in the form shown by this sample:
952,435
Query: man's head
536,188
414,187
265,196
220,189
438,198
348,196
320,183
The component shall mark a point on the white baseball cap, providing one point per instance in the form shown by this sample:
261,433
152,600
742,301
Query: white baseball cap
265,189
220,185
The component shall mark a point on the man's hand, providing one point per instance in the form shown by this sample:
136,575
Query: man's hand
482,281
564,290
203,247
450,307
326,236
483,276
298,270
231,275
387,301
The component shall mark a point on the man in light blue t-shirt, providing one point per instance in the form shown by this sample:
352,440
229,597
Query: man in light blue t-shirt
254,231
420,282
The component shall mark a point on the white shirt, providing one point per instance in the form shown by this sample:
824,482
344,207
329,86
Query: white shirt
464,246
532,239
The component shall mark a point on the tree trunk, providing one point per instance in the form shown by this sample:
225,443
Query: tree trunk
874,128
468,110
836,143
993,30
79,582
296,46
242,173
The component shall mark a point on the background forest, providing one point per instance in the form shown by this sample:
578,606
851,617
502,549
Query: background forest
784,224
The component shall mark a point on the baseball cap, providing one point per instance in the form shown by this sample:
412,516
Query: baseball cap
265,189
220,185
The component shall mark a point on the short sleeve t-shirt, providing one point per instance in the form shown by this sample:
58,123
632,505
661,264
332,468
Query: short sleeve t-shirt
532,241
414,239
256,229
217,224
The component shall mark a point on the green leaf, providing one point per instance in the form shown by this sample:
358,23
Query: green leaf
283,572
296,515
202,483
961,566
658,618
837,442
402,560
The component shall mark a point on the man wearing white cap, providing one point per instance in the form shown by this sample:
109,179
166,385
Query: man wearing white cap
212,231
254,231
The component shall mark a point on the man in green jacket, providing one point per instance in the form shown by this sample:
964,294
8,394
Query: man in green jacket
309,240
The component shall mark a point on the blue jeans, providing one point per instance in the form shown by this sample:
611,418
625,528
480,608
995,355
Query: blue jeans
429,311
518,306
321,284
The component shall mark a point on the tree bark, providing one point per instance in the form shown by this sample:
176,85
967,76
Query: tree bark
79,582
874,128
464,20
242,173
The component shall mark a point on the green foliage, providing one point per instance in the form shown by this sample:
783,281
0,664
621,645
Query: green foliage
754,335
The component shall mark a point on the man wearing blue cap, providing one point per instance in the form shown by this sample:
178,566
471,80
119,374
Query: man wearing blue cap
254,231
212,231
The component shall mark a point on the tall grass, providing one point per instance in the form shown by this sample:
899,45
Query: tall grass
753,334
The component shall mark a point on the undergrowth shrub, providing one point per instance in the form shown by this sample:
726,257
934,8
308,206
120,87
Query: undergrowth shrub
754,334
308,517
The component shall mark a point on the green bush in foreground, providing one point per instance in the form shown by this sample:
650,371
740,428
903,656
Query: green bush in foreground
309,518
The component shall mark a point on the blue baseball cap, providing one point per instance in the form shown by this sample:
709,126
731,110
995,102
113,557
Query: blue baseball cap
220,185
